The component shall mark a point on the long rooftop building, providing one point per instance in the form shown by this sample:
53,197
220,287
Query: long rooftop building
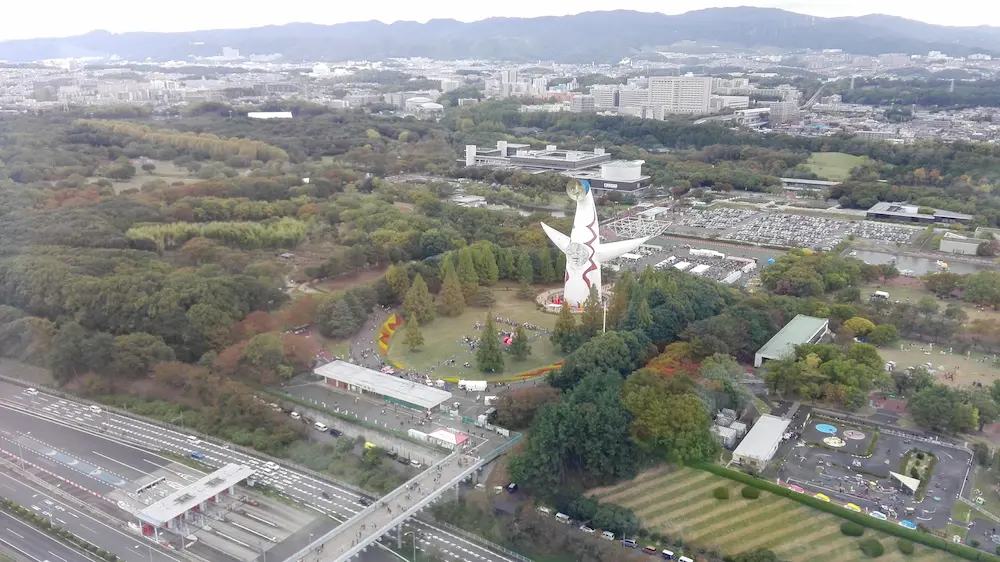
394,390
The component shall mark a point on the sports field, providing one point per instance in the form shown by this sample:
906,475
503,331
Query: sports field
833,166
679,503
443,339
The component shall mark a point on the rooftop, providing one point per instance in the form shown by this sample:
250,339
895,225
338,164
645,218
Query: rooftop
800,330
384,385
188,497
913,211
759,442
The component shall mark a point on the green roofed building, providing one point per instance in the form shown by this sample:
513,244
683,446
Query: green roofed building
802,329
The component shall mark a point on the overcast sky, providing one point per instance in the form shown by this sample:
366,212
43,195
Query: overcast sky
72,17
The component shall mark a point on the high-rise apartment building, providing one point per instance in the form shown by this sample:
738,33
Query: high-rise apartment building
605,96
633,97
582,103
508,76
681,94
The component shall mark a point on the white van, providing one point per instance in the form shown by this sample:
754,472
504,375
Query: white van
544,510
668,555
192,439
295,416
608,536
562,518
320,426
684,559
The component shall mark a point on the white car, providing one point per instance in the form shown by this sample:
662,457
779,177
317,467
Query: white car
272,465
587,529
878,515
30,392
95,409
193,440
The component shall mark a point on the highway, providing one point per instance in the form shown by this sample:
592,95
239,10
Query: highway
34,544
100,461
30,495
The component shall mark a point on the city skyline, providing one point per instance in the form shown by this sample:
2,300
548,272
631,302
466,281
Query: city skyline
118,16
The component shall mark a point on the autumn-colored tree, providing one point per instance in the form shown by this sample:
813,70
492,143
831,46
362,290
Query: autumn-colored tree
299,352
399,280
300,312
257,322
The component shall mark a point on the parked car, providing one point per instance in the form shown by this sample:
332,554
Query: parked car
587,529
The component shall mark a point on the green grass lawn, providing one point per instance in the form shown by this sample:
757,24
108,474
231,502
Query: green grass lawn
165,171
443,336
679,504
833,166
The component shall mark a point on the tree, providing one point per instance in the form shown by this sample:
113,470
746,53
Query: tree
451,301
620,297
148,167
466,270
941,408
546,271
883,335
413,338
592,317
516,409
520,349
133,355
399,279
506,265
525,271
486,266
670,426
418,302
489,358
565,336
859,326
889,271
941,284
336,319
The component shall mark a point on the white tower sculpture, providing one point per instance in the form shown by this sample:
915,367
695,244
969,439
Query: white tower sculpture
583,248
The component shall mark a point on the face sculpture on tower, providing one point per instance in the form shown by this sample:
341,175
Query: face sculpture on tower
583,248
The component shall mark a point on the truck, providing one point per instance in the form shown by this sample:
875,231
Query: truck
488,400
472,386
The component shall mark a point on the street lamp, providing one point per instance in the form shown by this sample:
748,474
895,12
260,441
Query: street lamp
414,535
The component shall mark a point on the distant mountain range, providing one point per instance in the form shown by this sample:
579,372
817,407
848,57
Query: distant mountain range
591,36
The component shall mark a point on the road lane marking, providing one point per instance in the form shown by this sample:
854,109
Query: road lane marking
57,556
15,534
88,528
120,462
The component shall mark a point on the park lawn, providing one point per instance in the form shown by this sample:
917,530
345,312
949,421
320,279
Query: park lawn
442,340
165,171
679,504
986,482
833,166
966,371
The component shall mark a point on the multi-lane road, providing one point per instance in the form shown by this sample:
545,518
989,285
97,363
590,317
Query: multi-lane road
33,544
93,449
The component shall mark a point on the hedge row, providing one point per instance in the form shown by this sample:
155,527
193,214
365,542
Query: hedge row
862,519
46,526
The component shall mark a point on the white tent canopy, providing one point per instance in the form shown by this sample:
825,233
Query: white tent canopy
910,484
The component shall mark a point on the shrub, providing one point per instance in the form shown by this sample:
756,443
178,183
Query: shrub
920,456
721,493
643,532
905,546
750,493
852,529
871,547
974,543
915,473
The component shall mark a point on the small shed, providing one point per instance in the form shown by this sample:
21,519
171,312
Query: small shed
740,428
725,435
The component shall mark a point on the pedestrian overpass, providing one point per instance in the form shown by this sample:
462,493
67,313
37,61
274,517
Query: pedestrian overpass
389,512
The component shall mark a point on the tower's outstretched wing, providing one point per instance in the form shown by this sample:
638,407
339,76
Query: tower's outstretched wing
608,251
558,238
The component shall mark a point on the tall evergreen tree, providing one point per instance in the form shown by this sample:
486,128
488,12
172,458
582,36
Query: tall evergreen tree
638,316
546,272
560,265
489,358
506,265
525,271
486,266
399,279
466,270
593,314
620,296
444,263
413,338
564,335
520,348
451,301
418,303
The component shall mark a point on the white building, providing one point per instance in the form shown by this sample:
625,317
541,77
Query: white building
681,94
718,103
582,103
605,96
633,97
758,447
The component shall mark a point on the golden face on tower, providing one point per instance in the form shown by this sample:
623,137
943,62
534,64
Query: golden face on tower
575,190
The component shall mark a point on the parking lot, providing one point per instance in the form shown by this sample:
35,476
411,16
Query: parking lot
783,229
837,470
